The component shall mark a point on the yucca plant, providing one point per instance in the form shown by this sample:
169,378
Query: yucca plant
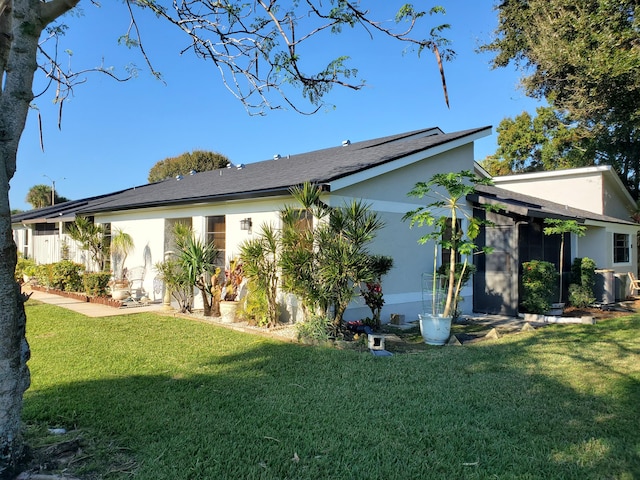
198,259
260,262
324,260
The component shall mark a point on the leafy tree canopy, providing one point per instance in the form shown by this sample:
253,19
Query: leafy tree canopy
40,196
198,160
583,57
546,141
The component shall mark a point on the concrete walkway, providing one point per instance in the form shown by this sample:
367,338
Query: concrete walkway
89,309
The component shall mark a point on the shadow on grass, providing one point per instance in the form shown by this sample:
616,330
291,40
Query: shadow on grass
562,403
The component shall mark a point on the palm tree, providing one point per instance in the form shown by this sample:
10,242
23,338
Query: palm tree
39,196
91,237
260,264
121,245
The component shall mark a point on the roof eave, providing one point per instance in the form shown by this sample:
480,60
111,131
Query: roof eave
193,200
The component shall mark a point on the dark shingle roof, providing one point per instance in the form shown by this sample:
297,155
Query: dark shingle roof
64,211
529,206
272,177
260,179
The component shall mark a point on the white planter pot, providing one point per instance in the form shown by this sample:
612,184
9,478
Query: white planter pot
435,329
120,293
228,311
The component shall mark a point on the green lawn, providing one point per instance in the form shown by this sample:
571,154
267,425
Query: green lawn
156,397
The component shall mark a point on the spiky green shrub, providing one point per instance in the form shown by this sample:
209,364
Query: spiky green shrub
315,328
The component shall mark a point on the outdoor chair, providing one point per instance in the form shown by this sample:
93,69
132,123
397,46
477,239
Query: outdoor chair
634,283
136,276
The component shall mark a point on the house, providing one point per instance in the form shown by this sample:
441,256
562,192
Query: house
593,196
228,206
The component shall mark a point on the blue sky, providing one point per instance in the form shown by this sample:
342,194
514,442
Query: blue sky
113,133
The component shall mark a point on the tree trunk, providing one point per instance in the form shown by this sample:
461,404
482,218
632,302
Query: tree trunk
205,303
14,353
21,23
16,94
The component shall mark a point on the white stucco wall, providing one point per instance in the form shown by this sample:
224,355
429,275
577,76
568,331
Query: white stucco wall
616,201
584,191
595,189
148,237
147,227
598,245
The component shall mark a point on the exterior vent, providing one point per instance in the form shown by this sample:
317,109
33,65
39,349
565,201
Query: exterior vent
179,177
229,165
346,143
192,172
277,156
240,166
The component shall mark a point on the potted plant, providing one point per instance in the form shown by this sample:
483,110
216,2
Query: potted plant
556,226
445,211
231,291
121,245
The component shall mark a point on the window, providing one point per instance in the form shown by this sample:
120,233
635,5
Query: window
106,246
169,231
621,248
216,234
46,229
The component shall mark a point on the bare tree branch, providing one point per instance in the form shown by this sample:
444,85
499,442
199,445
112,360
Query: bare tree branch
258,46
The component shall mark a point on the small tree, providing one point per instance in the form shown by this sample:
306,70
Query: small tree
91,238
447,193
260,261
562,227
121,245
325,260
198,260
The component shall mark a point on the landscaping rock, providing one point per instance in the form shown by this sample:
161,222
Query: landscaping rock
527,327
492,334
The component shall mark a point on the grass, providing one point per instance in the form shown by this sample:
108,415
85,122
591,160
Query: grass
155,397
